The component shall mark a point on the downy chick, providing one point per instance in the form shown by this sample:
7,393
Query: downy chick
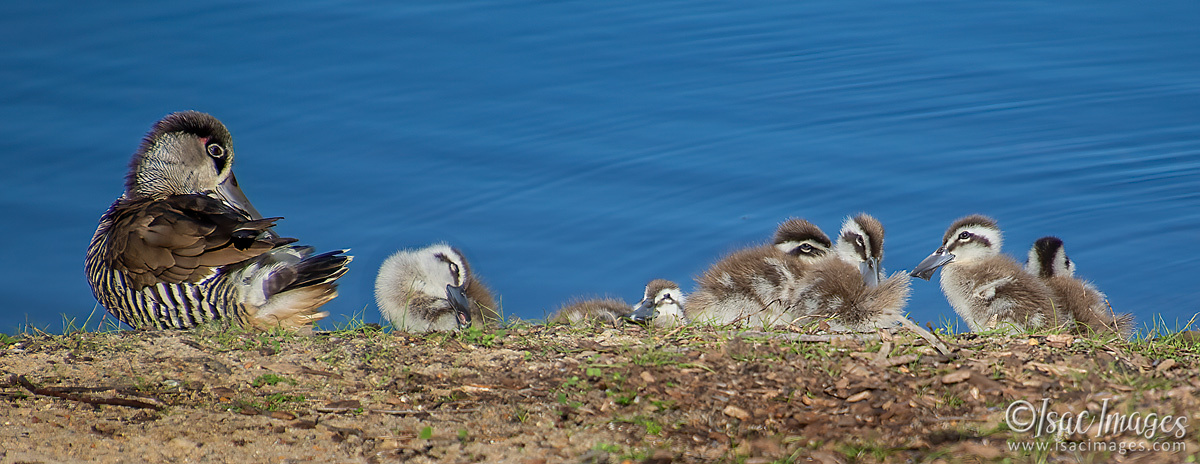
987,289
758,285
662,305
847,291
1049,262
432,289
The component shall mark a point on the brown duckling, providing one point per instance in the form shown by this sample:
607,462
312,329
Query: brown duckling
661,305
758,285
987,289
1087,305
846,290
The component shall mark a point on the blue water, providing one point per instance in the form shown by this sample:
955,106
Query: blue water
583,148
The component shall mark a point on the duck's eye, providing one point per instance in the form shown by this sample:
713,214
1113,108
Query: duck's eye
454,268
964,235
806,248
215,150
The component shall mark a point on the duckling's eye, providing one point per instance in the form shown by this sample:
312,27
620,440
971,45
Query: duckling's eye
806,248
965,235
454,268
215,150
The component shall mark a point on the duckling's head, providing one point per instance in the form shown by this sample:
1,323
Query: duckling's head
802,239
662,302
969,239
1048,258
451,270
860,242
438,274
185,153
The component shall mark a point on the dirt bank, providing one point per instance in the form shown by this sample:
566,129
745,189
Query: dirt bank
533,394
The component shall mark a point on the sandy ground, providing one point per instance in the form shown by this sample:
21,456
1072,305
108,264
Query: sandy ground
532,394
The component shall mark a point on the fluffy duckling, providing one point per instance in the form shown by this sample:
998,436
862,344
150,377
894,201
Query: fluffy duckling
183,245
758,285
987,289
432,289
1048,260
662,304
847,291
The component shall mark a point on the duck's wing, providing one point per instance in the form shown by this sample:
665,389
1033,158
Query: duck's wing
184,238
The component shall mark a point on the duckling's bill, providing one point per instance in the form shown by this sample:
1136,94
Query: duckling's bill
644,311
871,272
458,299
925,269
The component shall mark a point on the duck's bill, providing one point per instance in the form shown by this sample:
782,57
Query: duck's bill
870,272
231,193
458,300
925,269
643,312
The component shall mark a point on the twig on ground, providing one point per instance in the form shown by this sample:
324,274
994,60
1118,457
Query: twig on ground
929,337
58,393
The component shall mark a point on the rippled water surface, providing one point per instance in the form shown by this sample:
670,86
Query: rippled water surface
583,148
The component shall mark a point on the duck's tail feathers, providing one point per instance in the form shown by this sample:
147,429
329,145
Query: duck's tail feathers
286,287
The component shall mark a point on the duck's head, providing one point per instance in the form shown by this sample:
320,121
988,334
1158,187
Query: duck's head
860,242
186,153
662,302
448,271
802,239
1048,258
968,239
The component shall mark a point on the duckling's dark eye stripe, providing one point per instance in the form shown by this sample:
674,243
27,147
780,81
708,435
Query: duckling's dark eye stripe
971,238
858,241
455,270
